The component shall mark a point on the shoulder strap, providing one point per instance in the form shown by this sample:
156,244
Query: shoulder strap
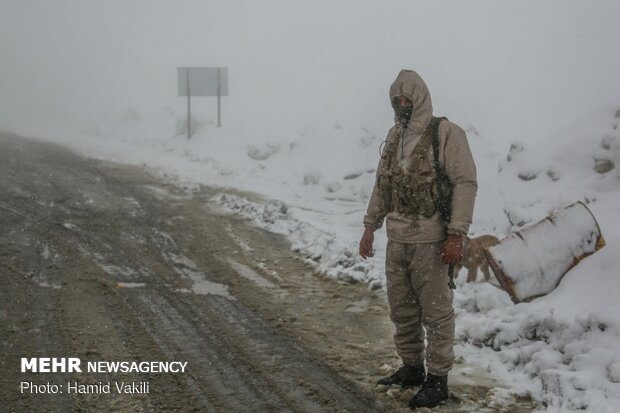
421,149
444,184
434,126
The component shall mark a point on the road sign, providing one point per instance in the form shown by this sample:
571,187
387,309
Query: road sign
202,81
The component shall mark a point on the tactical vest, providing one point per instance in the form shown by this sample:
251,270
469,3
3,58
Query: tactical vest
415,189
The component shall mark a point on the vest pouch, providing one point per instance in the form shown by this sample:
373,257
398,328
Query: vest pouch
425,194
399,196
410,201
443,193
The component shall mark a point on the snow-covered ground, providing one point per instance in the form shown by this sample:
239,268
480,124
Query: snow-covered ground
305,120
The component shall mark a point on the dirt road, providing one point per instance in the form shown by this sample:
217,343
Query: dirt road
106,262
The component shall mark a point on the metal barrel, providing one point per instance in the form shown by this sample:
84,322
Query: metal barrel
531,262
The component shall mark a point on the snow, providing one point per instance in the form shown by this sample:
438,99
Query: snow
130,285
304,121
200,283
250,274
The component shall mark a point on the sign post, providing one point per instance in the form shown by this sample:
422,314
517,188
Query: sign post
202,81
189,107
219,97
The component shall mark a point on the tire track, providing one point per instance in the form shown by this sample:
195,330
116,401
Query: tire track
83,227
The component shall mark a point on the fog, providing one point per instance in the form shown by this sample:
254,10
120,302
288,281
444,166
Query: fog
516,70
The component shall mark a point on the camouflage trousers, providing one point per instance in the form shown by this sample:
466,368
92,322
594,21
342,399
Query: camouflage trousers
420,299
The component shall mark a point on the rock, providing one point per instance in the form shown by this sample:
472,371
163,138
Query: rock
613,372
353,176
607,142
375,285
262,153
312,178
527,176
553,175
603,165
515,149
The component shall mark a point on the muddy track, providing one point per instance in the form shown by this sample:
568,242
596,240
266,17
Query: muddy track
106,262
110,262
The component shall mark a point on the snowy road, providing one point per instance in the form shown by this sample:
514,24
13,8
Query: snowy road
103,262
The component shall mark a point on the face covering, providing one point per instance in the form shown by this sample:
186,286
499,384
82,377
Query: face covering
403,113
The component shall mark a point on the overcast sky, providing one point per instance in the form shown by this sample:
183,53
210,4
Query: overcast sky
516,70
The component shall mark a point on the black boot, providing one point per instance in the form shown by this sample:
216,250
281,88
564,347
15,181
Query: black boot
433,391
408,375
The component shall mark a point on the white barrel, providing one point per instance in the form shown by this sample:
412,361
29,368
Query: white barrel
531,262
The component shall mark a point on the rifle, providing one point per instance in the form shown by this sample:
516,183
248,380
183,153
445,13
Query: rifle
444,189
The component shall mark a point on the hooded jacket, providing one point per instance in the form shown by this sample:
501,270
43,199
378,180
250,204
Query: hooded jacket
454,155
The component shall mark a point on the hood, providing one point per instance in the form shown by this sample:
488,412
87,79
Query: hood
409,84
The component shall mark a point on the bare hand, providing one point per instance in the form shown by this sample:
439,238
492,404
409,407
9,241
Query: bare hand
452,249
366,244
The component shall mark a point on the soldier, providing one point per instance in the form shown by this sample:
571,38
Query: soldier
425,230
